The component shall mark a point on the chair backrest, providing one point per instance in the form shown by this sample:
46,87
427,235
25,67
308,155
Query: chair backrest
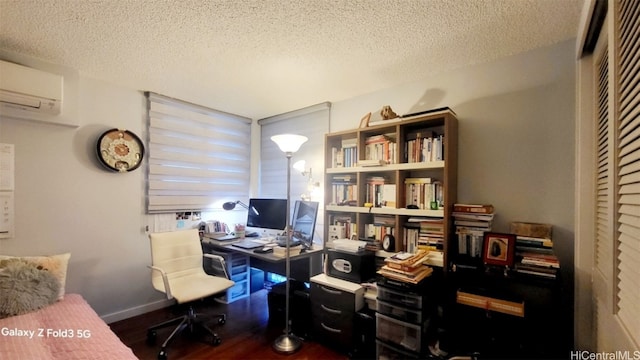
178,253
217,266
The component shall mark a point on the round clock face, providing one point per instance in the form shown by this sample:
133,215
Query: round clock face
120,150
388,242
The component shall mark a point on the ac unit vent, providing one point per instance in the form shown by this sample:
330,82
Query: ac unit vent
29,89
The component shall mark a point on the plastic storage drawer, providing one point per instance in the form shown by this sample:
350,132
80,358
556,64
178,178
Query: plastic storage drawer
399,312
396,297
388,352
399,332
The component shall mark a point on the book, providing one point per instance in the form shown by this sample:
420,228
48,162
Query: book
389,195
473,216
473,208
411,265
430,111
539,271
407,258
476,224
540,260
424,272
534,241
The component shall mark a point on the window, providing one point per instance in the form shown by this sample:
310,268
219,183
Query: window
197,157
312,122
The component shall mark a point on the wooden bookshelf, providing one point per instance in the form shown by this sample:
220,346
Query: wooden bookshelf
396,151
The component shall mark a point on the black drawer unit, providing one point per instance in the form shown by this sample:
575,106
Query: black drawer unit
334,304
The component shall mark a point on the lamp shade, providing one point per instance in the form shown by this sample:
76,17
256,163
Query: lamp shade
289,143
299,165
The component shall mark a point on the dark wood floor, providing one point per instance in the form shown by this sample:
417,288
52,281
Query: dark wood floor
247,334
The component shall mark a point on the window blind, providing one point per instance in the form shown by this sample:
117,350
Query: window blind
197,157
312,122
628,165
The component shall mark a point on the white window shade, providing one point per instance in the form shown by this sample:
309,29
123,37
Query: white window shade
312,122
197,157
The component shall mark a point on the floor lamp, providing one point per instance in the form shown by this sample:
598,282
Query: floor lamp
288,343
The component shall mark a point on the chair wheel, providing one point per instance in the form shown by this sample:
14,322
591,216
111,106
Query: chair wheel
216,341
162,355
151,337
221,321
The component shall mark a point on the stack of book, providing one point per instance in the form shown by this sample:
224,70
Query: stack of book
471,222
534,250
424,193
343,189
345,156
424,146
406,267
381,226
423,233
341,226
536,257
374,191
381,147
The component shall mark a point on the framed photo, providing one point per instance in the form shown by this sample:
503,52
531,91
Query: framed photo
364,122
499,249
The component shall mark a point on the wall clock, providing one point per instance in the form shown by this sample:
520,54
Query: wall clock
120,150
388,242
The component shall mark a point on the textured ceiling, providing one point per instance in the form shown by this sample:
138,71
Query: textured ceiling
262,58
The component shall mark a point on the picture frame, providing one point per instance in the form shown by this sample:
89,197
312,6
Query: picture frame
499,249
364,122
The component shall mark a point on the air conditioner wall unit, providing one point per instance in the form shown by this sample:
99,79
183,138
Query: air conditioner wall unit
29,89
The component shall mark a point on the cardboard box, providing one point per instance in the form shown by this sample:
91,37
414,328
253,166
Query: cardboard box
531,229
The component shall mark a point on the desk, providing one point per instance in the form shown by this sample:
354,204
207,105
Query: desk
303,266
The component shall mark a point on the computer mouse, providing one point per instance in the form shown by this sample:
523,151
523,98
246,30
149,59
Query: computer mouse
412,207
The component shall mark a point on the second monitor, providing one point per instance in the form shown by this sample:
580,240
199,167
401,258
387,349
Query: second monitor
304,221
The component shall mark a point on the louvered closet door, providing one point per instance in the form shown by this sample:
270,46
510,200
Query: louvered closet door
604,238
604,273
628,165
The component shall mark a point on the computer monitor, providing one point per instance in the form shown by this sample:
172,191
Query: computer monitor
304,221
266,217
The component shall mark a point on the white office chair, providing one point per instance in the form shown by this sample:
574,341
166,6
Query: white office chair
177,271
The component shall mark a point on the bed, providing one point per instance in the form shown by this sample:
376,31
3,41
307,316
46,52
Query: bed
67,329
64,327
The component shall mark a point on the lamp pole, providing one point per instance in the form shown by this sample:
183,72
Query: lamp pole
288,343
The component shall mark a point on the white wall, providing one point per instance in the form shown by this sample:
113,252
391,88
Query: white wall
516,152
516,139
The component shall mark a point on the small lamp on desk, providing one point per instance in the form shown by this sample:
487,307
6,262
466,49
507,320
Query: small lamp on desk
288,343
230,205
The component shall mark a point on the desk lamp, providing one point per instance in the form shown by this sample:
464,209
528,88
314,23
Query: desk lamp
288,343
230,205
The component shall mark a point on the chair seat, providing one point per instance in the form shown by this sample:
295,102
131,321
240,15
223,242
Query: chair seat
197,286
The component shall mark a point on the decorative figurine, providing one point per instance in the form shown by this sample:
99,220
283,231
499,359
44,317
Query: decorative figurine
387,113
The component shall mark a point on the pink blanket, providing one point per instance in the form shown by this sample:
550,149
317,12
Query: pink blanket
68,329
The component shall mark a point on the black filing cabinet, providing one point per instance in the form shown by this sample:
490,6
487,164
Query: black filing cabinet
334,307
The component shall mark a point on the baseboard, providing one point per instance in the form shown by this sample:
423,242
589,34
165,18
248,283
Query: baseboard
134,311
